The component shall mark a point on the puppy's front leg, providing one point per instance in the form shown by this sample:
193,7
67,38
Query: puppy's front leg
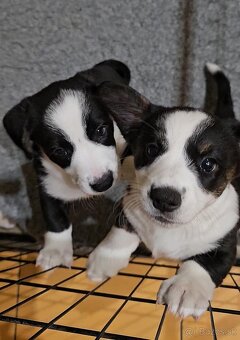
112,254
58,249
190,290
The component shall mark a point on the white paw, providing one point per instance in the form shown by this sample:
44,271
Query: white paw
51,257
185,295
104,263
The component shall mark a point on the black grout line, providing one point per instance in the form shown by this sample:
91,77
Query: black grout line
237,286
181,330
161,323
212,322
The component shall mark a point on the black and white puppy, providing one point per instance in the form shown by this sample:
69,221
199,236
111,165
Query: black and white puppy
182,202
70,136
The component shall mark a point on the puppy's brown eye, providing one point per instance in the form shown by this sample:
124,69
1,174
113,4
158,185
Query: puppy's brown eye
102,130
59,152
208,165
152,150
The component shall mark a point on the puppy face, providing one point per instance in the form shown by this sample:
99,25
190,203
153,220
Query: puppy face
67,127
184,158
77,137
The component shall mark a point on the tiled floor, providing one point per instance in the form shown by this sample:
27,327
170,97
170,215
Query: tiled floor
63,303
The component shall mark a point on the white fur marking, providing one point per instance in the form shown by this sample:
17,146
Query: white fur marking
213,68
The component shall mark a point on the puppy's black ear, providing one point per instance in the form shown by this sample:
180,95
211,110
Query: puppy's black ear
18,123
127,107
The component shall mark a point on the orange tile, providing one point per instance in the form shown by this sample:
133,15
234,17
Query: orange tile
235,269
226,298
136,269
92,313
228,281
227,326
80,282
2,284
30,257
9,253
82,262
121,285
148,289
137,319
8,297
167,262
7,330
28,291
24,332
197,330
47,306
146,260
170,328
12,274
5,264
162,272
49,278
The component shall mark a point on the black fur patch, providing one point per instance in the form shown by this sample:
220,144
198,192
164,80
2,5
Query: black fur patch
97,116
213,140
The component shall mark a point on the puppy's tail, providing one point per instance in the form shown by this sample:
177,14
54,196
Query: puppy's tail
120,68
224,107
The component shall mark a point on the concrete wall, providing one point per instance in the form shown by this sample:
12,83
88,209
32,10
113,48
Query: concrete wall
165,44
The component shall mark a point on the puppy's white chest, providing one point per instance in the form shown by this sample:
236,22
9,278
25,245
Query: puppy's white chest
185,240
162,242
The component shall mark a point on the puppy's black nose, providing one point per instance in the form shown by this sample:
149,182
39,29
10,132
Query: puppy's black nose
103,183
165,199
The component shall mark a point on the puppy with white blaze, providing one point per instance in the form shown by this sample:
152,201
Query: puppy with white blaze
183,200
69,135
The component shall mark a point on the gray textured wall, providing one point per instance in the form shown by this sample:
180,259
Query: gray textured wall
165,43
